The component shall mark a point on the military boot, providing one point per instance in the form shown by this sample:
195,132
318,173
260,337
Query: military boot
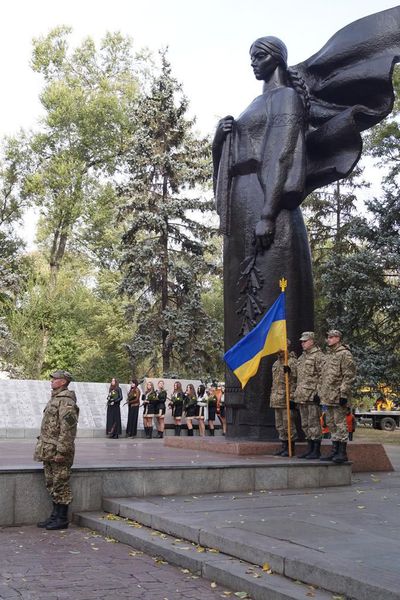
335,450
310,448
190,432
44,523
316,450
286,451
150,433
60,521
212,432
281,449
177,430
341,456
160,434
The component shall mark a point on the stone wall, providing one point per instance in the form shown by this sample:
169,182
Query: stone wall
22,403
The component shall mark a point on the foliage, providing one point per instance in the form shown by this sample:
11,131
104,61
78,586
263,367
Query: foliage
356,267
87,328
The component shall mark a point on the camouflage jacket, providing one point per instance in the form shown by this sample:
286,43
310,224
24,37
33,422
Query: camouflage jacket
58,428
309,369
337,375
278,390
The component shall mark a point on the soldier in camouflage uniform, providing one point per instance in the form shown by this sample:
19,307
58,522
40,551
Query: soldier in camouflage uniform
56,447
335,390
309,369
278,400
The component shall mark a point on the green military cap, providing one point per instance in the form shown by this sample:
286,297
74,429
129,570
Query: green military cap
307,335
61,374
335,333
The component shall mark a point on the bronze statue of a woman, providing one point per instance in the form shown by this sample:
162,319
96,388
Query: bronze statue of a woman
302,132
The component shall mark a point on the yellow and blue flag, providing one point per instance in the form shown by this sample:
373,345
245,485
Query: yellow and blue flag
268,337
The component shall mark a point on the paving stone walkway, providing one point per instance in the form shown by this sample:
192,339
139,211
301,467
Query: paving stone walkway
78,564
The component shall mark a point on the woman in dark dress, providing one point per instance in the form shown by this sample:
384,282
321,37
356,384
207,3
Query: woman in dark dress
221,410
150,403
160,412
190,406
133,401
113,427
176,404
212,408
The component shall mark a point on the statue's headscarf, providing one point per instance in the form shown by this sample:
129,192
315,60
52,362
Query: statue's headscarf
274,46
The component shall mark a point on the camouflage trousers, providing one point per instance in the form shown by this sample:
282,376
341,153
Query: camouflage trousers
281,424
57,478
336,421
310,420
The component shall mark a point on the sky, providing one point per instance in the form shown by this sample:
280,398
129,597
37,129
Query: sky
208,43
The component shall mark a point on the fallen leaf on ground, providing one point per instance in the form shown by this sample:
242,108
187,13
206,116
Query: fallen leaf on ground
266,567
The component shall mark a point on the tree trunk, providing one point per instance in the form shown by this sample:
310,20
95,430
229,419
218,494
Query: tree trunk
56,255
166,346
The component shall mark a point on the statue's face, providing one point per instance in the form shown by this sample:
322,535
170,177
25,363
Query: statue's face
263,63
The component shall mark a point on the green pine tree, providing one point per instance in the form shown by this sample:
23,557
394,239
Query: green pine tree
165,266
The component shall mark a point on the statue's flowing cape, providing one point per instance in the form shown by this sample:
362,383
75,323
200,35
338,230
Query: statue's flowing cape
350,87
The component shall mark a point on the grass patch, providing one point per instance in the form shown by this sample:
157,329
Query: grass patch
367,434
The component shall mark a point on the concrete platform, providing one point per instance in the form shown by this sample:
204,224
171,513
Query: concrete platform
365,457
344,541
109,468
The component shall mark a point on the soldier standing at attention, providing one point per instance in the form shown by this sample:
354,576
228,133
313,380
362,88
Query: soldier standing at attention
56,447
335,390
309,369
278,399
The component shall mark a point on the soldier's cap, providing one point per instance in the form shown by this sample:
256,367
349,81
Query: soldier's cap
335,333
307,335
61,374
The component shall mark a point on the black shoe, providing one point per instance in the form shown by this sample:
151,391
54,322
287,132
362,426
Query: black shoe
286,452
43,524
160,434
316,450
310,448
212,432
335,450
341,456
177,430
283,448
190,432
60,521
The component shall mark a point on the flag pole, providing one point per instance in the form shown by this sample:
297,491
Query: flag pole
283,286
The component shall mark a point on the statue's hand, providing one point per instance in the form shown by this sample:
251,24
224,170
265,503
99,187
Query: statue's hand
265,232
224,127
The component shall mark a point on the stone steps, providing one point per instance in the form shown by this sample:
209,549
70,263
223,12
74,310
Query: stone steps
209,563
287,559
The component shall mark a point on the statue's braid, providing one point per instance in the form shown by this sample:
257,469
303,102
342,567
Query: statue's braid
301,87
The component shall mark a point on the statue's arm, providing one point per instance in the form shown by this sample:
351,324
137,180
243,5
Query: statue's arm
283,140
224,127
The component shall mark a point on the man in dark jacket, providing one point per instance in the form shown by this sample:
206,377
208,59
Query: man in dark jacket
56,447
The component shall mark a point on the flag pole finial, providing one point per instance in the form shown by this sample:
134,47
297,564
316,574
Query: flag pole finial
283,284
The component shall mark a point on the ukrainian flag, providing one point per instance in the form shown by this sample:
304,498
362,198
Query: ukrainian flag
268,337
